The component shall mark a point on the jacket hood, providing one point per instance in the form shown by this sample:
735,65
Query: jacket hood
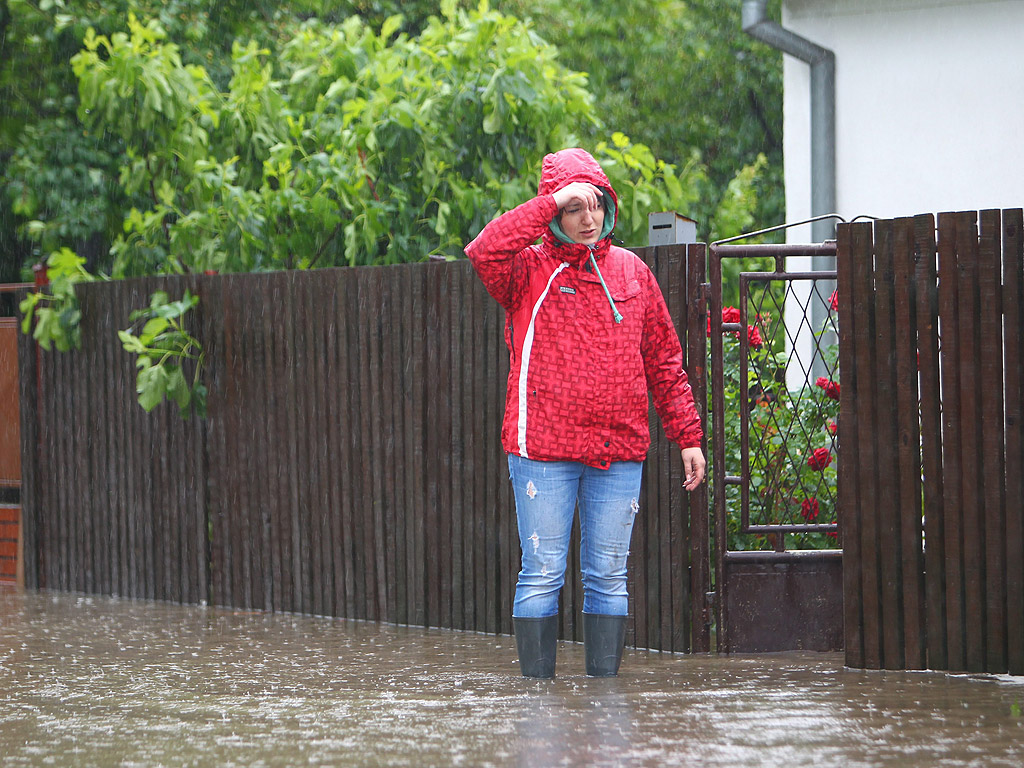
564,167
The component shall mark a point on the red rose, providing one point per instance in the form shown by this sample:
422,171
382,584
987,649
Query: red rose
820,459
754,337
729,315
832,427
809,509
833,300
831,387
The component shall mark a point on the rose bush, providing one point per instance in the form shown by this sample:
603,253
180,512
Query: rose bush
791,437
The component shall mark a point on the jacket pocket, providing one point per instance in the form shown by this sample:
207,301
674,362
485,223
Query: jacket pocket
625,291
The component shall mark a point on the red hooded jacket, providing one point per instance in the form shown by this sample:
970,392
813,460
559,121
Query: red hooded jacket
578,383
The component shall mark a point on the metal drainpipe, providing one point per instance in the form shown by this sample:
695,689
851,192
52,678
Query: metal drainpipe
823,107
756,23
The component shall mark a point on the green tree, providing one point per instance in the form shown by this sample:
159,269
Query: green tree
683,78
280,165
349,146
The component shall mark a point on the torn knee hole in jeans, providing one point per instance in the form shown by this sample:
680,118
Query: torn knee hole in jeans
531,489
536,542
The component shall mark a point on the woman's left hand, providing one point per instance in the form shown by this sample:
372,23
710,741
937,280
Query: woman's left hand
694,465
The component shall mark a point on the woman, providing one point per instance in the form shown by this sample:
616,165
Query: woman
588,335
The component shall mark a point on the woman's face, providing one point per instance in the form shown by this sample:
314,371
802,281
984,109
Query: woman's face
581,223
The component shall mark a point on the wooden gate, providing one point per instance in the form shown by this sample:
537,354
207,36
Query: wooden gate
778,572
932,344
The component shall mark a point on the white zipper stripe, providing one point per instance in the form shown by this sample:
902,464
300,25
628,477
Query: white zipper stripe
524,363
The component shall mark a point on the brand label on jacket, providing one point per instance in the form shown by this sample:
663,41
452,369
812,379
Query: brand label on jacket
567,289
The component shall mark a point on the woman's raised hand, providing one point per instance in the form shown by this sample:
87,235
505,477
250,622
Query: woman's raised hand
587,194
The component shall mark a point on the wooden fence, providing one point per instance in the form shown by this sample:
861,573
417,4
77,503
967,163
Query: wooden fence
350,464
932,502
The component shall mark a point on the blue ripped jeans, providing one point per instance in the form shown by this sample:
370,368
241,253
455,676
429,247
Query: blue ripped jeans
546,494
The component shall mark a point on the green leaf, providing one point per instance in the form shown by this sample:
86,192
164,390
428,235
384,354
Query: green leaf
151,385
131,343
177,387
152,329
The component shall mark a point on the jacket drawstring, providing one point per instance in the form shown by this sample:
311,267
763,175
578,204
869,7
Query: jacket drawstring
611,301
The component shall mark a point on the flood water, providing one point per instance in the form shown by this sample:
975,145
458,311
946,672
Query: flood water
102,681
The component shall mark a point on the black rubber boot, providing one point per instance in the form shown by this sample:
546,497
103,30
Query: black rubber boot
603,638
536,641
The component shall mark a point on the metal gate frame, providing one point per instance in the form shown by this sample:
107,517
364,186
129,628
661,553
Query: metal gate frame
765,601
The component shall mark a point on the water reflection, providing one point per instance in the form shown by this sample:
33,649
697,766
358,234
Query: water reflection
96,681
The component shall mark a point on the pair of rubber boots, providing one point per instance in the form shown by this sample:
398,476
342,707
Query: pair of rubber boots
603,638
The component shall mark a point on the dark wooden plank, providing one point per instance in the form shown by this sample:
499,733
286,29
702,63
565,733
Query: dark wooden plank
298,509
402,464
648,614
271,297
927,314
321,298
849,500
971,440
459,275
237,459
77,381
213,450
377,403
355,510
52,508
70,573
990,333
28,400
335,389
153,517
390,433
122,398
419,613
863,298
698,638
133,297
94,333
447,437
476,449
220,472
506,504
348,309
431,345
304,514
261,405
886,415
410,342
909,445
306,553
717,463
196,472
1013,386
105,450
311,439
952,467
178,450
369,426
495,472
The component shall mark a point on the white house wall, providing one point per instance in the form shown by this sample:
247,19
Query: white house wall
929,105
929,108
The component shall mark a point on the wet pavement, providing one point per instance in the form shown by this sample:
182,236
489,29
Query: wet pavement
101,681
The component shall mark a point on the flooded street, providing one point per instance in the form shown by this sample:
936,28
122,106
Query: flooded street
101,681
